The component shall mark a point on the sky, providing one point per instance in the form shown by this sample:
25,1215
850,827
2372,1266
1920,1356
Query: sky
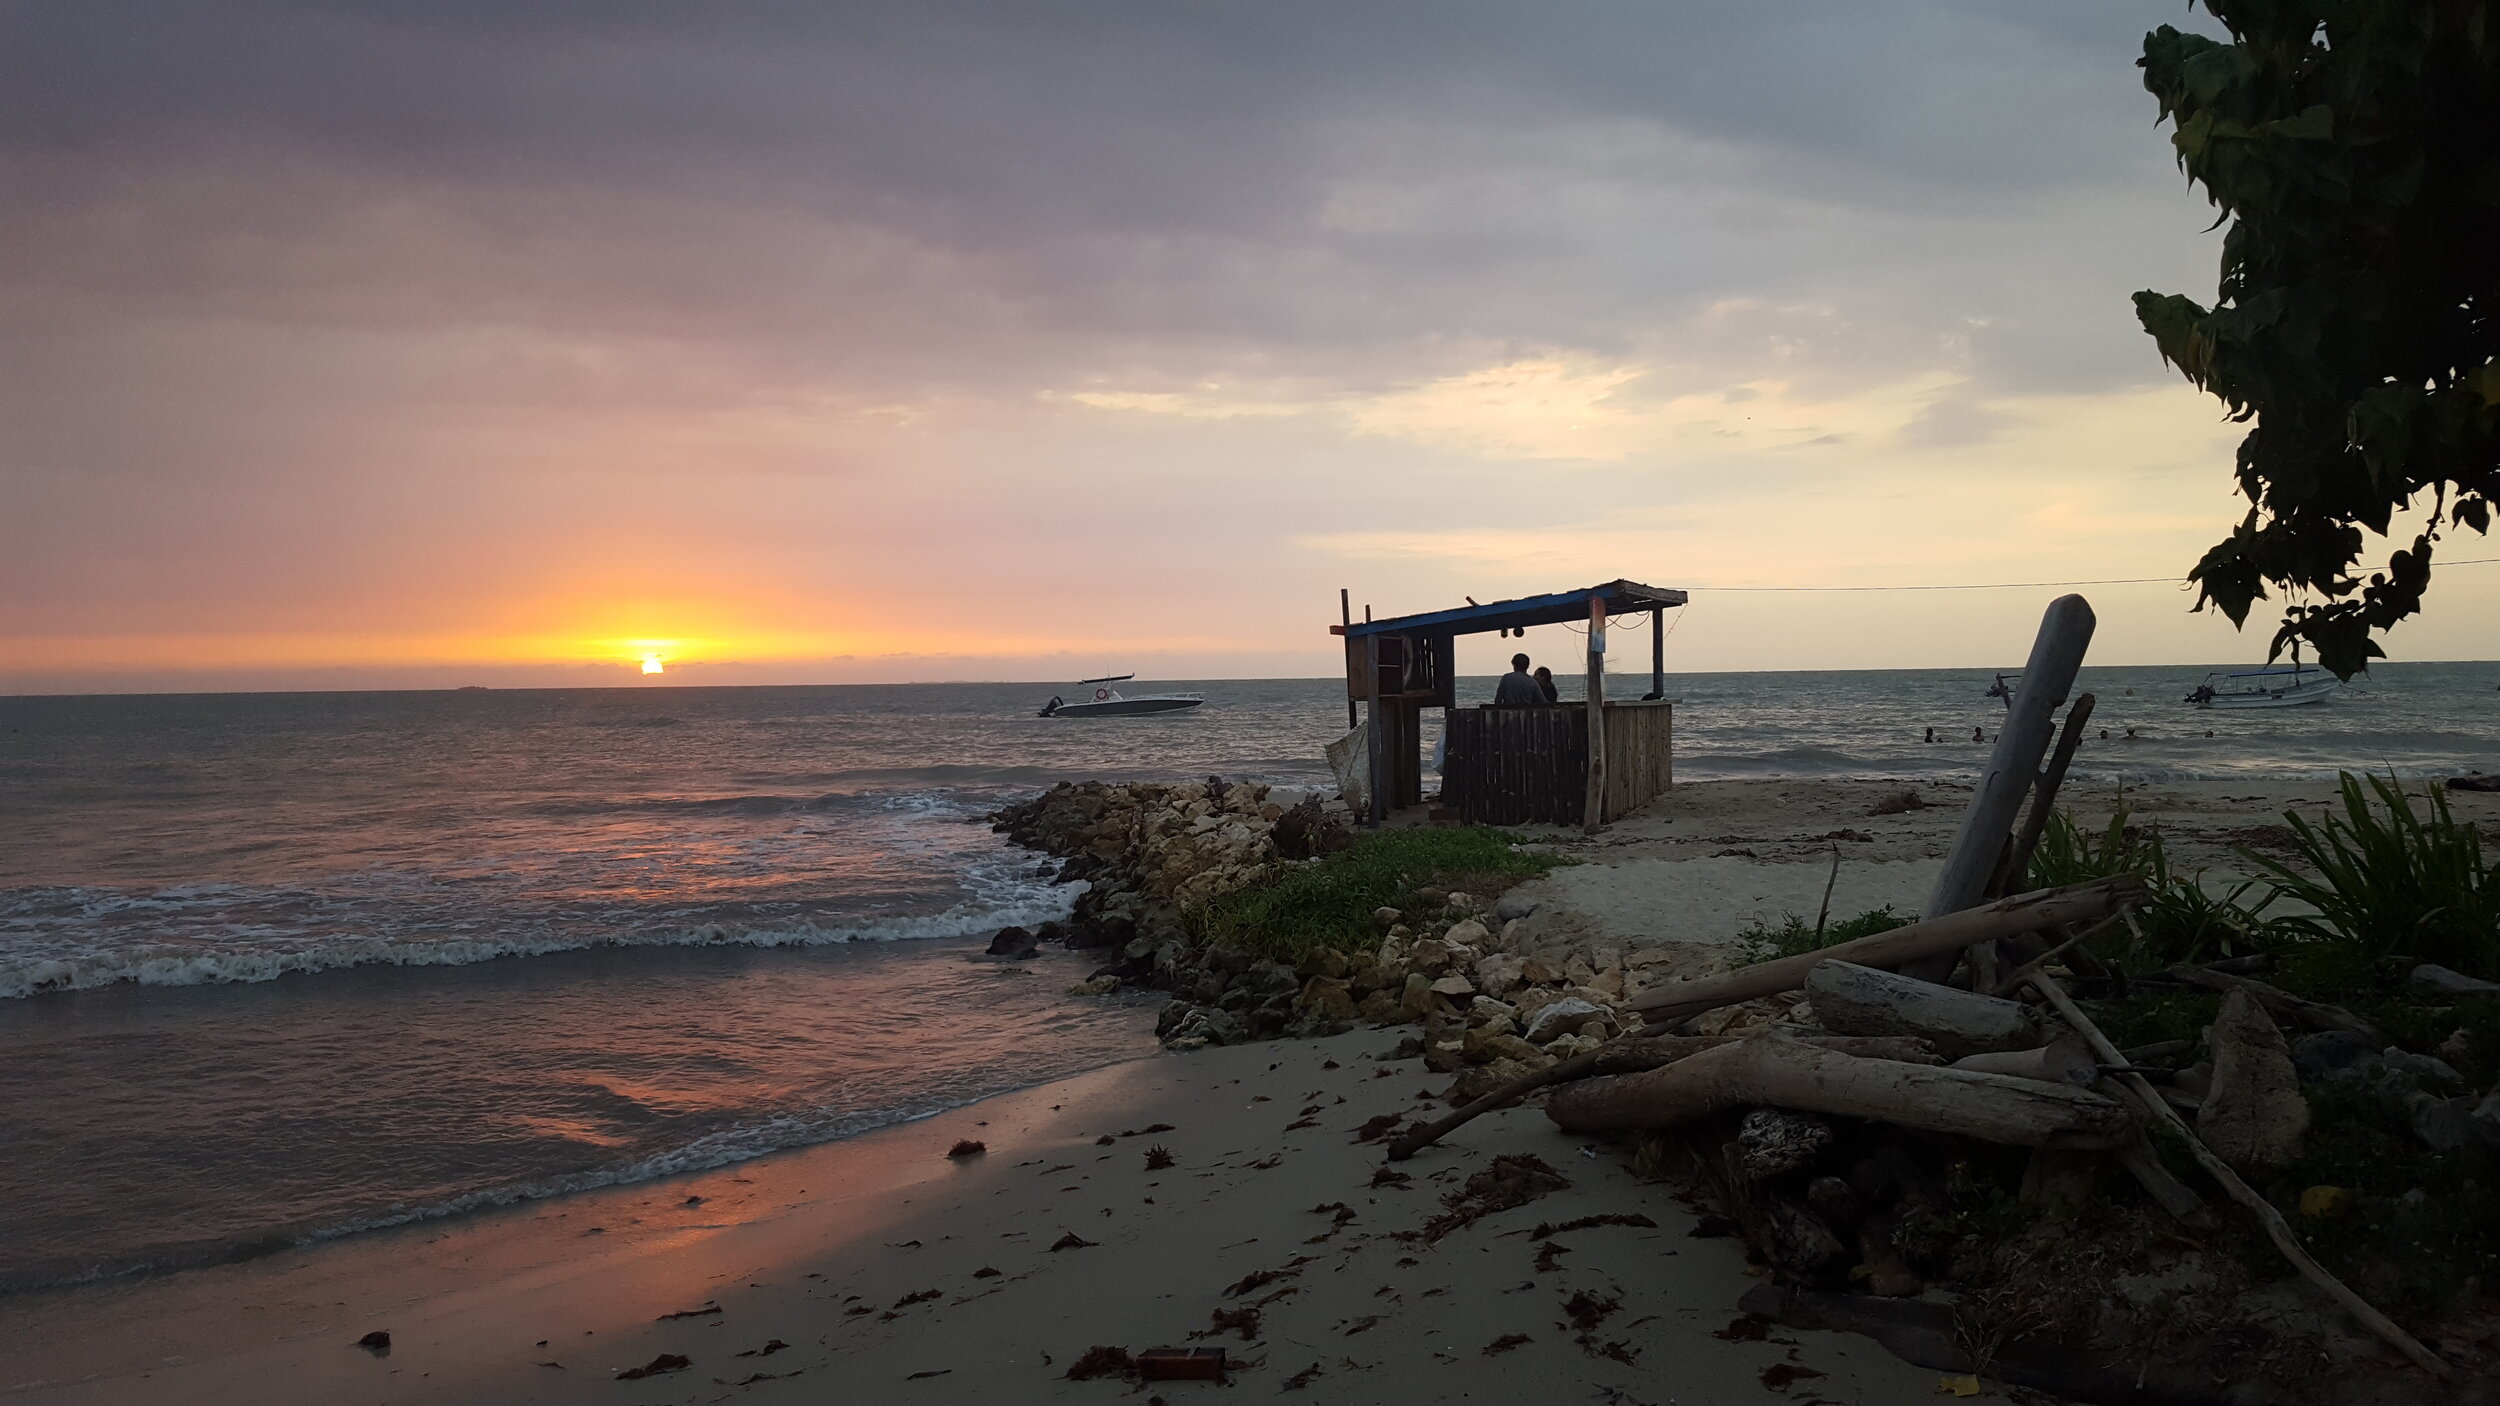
422,344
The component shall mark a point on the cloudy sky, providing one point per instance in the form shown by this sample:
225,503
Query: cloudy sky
445,342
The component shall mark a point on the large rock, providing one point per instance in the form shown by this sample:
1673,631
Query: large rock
2253,1116
1326,998
1853,1000
1467,935
1563,1017
2320,1054
1484,1046
2437,983
1498,976
1418,1001
1014,944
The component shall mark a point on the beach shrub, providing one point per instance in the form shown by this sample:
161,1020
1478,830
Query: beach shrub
1794,937
2391,880
1330,902
2180,921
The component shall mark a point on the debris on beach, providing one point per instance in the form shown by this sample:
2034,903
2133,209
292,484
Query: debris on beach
377,1342
967,1148
1514,1179
1101,1361
665,1362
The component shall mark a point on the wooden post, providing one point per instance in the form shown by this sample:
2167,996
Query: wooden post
1376,745
1593,814
1658,653
2065,632
1345,616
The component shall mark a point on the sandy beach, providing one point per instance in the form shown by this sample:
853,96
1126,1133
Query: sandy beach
880,1269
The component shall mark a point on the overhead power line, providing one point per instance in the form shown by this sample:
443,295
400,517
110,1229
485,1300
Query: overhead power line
2021,585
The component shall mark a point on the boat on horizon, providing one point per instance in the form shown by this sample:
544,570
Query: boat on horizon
1109,702
2265,688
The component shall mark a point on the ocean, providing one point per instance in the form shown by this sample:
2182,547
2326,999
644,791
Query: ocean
280,967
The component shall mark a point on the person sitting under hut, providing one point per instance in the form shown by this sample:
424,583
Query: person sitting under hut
1545,680
1517,689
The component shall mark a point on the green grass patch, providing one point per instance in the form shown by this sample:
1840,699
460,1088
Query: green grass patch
1330,903
1794,937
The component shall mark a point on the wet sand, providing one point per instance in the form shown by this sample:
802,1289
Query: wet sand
866,1258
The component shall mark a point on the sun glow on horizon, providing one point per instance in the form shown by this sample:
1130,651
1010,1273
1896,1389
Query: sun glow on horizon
653,664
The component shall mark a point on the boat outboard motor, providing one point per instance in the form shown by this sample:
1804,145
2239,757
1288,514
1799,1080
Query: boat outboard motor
1052,706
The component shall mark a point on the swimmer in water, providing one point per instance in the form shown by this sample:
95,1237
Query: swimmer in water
1978,735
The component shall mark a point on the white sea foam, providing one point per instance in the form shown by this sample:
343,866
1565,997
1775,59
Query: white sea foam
254,952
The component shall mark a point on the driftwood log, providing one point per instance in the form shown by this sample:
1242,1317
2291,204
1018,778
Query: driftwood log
1632,1055
1853,1000
2025,912
2067,1060
2279,1002
2277,1229
1787,1073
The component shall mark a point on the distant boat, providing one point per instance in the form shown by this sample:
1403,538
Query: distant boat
2265,688
1109,702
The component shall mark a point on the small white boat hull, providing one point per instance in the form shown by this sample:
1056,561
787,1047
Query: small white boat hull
2263,691
1117,706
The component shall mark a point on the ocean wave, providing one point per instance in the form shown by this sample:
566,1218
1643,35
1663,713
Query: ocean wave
24,974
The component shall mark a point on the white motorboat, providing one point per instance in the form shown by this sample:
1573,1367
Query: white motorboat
1109,702
2265,688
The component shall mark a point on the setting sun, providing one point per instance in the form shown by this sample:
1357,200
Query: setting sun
651,664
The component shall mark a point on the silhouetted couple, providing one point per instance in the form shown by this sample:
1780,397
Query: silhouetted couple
1521,689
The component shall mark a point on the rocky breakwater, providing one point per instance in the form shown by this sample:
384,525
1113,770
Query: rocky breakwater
1497,987
1150,854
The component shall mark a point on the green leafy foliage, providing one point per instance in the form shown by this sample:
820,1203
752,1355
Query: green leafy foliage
2348,146
2180,921
1795,936
1329,903
2389,880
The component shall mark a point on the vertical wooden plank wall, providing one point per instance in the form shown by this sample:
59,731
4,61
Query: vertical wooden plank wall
1640,755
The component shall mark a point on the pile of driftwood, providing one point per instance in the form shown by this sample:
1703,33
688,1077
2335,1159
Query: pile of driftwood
1958,1025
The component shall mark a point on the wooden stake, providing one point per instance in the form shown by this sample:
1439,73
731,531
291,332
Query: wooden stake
1593,815
2277,1229
2065,632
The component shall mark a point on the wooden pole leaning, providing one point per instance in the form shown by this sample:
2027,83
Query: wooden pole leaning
2056,653
2024,912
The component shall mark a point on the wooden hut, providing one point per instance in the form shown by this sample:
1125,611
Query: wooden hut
1581,763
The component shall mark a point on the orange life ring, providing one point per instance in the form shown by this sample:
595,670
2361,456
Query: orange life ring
1101,693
